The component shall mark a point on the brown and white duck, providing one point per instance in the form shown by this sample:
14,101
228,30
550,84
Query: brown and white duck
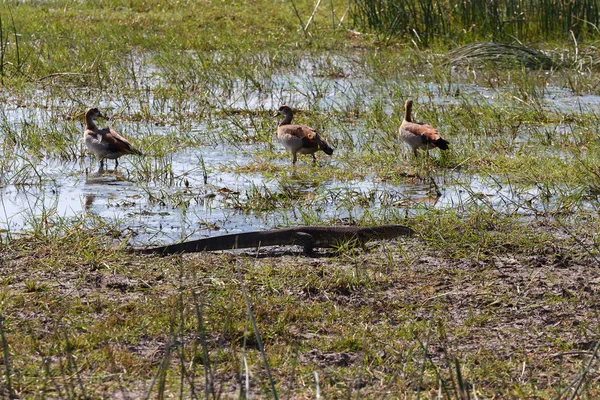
419,135
106,142
300,138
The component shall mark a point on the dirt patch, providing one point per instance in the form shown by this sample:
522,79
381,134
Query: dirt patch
329,359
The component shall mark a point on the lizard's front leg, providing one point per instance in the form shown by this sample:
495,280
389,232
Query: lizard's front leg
306,240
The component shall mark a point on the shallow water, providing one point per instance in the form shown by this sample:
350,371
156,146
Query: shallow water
194,206
155,214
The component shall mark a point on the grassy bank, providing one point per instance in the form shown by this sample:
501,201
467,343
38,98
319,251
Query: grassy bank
500,308
90,40
92,43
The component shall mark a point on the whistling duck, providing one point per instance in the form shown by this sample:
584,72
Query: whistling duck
300,138
419,135
105,143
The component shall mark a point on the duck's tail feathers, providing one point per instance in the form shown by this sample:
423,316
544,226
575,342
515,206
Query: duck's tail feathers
323,145
327,149
442,144
135,151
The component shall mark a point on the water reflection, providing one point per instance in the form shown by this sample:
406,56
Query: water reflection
89,202
104,176
232,202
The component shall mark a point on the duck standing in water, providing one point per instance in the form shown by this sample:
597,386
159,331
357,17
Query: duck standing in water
300,138
419,135
106,142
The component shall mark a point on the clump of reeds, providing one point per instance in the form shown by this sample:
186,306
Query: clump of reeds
503,53
479,19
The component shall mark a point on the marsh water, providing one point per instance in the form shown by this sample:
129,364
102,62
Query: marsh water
214,187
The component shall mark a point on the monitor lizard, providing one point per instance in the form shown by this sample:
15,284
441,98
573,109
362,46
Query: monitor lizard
308,237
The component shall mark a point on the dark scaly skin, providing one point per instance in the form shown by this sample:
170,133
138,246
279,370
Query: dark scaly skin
308,237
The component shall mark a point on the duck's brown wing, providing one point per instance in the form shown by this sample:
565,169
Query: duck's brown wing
310,137
116,142
427,132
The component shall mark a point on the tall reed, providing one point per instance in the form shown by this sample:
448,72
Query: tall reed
465,20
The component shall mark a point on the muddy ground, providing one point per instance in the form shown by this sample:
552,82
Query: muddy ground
400,319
